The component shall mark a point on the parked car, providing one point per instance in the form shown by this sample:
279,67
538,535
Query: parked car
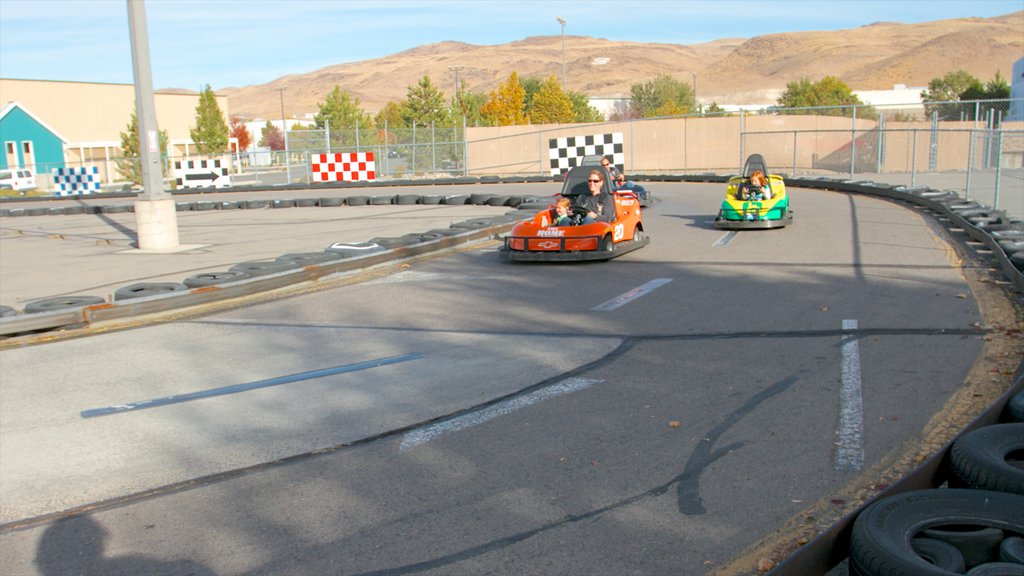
19,179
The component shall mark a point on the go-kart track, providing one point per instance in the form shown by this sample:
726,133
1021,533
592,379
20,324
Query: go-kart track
706,405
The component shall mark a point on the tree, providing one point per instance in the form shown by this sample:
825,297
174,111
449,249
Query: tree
959,86
830,93
210,133
951,86
531,86
551,105
240,133
272,137
506,106
468,105
340,110
662,94
582,110
424,105
130,163
391,115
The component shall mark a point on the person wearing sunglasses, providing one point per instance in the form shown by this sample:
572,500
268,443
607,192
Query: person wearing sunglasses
599,204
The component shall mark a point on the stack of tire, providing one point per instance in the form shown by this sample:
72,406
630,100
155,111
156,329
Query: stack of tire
974,527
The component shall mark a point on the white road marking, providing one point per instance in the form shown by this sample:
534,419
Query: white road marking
725,239
622,300
850,446
428,433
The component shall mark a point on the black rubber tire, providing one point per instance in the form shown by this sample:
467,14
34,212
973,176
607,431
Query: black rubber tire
479,199
497,201
37,211
607,245
1011,246
431,199
358,200
471,224
118,208
211,278
262,268
306,258
306,202
997,569
978,459
392,242
143,289
178,207
256,204
61,302
1012,550
1015,407
638,235
456,200
941,554
976,544
1008,234
331,202
881,538
68,210
381,200
7,311
407,199
1017,259
229,205
283,204
350,250
204,205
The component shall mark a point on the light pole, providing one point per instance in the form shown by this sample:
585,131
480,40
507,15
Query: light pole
562,22
694,75
456,69
284,127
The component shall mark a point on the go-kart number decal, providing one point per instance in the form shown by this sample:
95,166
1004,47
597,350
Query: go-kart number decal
618,232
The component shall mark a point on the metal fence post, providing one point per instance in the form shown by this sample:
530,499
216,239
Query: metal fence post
933,152
794,152
970,163
465,149
913,159
999,167
433,148
853,141
327,135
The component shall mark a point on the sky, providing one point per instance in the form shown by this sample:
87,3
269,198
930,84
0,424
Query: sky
233,43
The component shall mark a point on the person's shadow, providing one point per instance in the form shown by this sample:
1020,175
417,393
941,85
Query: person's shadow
76,545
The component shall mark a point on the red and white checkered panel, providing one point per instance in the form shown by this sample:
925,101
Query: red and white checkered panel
343,167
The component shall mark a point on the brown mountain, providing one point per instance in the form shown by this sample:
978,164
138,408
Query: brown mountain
734,70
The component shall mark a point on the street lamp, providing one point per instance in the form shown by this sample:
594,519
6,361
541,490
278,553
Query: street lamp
562,22
284,127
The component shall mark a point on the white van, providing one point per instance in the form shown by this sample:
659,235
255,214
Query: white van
19,179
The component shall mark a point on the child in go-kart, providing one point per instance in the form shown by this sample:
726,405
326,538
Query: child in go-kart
756,188
561,213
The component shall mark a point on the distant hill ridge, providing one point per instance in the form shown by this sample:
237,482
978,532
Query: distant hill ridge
728,71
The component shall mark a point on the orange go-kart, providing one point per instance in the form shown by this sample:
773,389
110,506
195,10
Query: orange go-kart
536,240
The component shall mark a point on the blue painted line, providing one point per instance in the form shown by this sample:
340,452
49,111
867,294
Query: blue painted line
245,387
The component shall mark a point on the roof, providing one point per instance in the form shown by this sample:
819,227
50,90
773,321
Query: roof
12,105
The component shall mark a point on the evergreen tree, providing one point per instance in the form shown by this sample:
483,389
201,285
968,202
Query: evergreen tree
339,111
582,110
662,94
551,105
424,105
130,163
830,93
210,133
506,106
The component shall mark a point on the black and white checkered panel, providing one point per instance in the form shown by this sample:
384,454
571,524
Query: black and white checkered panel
568,152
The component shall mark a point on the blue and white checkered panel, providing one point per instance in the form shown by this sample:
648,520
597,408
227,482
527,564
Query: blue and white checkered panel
568,151
76,180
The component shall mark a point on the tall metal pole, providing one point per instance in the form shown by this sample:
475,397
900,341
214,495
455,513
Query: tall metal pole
284,127
565,79
155,213
694,75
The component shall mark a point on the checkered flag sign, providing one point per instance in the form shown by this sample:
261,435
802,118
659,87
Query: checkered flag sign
568,152
343,167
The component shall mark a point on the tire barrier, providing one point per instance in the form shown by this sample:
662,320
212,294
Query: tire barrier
306,203
213,278
61,302
282,204
7,311
204,206
1015,407
350,250
254,269
981,459
143,289
306,258
331,202
255,204
975,522
228,205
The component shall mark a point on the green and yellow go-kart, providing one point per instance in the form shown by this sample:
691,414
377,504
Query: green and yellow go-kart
768,210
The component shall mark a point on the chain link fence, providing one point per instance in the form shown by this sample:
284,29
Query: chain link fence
975,148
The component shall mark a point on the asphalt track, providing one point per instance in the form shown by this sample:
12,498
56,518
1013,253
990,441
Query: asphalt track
688,408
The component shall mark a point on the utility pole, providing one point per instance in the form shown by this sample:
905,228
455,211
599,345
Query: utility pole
155,213
565,79
284,128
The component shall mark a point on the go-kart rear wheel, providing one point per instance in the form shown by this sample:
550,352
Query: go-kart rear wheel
638,235
606,243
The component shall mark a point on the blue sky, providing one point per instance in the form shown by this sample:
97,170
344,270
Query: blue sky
227,43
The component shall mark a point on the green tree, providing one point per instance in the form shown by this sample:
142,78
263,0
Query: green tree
662,94
531,86
210,133
551,105
391,115
831,93
425,105
469,105
581,108
130,163
340,110
272,137
951,86
506,105
943,95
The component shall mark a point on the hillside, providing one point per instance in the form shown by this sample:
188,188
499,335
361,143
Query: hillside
733,70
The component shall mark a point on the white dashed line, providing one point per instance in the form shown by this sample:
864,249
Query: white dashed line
622,300
850,445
